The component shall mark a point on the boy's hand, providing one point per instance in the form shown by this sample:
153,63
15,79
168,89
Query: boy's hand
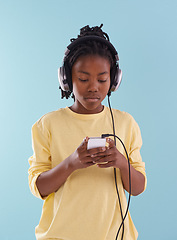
83,158
111,157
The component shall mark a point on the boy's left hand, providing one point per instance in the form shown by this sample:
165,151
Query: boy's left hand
109,158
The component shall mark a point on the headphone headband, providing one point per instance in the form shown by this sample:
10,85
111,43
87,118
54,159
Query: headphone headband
80,40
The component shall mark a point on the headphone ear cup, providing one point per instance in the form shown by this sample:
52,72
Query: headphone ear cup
62,78
117,80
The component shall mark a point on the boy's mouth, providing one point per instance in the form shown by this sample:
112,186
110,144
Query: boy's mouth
92,98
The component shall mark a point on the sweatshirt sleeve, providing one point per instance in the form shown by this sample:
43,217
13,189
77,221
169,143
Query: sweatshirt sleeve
41,159
134,153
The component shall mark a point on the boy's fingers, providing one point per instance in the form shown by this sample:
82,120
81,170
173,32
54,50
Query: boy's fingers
83,144
106,165
96,150
110,142
85,141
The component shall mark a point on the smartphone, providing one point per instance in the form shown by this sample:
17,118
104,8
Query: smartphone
95,142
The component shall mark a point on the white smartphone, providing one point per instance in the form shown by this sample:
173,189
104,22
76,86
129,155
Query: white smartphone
95,142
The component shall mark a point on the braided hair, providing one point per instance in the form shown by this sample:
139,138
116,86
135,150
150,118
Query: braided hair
89,47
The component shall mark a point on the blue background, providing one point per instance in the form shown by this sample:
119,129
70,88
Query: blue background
33,37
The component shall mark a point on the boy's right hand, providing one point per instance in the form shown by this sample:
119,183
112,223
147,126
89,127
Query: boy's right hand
81,158
50,181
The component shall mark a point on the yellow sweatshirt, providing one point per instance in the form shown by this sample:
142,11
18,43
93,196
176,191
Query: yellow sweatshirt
86,206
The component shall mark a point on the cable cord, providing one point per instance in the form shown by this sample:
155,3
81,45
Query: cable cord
115,177
115,174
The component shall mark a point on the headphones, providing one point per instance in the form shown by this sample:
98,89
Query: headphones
64,72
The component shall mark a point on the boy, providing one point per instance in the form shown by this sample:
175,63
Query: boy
77,184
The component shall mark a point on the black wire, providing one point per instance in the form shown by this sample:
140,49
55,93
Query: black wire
128,204
115,175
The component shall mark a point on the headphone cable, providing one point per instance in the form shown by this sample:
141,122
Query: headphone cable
115,175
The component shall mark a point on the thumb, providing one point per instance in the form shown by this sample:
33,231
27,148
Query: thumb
110,142
83,145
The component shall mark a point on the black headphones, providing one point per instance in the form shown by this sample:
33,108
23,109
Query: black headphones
64,72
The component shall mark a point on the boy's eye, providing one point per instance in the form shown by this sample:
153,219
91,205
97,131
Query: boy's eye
83,80
99,80
102,81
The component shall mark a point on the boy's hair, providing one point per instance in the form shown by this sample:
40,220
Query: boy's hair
89,47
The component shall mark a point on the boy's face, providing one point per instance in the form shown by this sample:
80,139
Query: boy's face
91,82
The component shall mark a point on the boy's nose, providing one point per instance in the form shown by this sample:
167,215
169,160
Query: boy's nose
93,86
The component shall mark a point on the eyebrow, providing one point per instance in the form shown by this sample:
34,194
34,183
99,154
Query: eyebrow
89,73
